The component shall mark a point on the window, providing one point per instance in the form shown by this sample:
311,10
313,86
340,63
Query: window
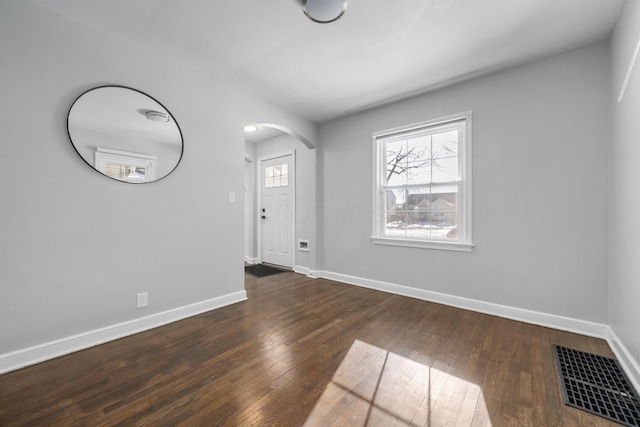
125,166
277,176
423,184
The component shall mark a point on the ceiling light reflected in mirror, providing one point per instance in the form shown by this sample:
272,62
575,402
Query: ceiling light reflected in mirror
125,134
157,116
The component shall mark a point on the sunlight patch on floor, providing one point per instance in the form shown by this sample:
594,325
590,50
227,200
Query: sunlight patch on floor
373,386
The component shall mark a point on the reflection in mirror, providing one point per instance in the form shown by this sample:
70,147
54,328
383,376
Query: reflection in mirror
125,134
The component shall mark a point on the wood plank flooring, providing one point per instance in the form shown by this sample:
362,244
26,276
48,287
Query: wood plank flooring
308,352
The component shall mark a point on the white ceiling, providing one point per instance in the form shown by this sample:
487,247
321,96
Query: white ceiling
379,51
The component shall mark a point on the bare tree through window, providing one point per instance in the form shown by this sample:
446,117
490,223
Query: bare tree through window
422,196
409,161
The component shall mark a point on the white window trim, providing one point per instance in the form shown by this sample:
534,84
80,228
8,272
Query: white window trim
465,243
106,155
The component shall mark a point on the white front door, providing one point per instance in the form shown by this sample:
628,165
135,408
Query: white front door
276,213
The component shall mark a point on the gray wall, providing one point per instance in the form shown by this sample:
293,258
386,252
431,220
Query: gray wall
624,203
73,256
540,167
77,246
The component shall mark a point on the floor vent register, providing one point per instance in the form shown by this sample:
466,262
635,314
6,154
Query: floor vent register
598,385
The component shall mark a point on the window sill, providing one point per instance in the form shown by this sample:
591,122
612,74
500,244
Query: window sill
411,243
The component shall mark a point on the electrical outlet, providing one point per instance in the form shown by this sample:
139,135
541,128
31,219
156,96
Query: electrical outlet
142,299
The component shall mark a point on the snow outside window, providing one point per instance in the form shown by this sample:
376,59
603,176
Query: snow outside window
423,184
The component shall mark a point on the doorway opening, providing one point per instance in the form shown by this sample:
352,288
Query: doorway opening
280,191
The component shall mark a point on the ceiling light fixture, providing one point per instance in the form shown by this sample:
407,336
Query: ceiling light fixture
251,128
157,116
324,11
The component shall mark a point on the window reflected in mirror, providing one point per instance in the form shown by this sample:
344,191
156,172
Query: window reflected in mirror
125,134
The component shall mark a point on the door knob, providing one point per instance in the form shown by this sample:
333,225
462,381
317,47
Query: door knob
263,217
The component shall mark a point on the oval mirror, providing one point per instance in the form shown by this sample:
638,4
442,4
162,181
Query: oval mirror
125,134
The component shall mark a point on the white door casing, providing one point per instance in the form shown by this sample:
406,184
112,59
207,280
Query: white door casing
250,249
277,210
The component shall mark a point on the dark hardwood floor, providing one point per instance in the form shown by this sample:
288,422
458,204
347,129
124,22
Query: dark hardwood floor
309,352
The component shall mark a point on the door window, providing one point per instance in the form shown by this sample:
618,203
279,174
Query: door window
277,176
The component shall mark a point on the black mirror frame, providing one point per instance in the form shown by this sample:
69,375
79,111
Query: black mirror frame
148,96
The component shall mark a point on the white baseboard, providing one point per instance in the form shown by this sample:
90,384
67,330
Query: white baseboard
523,315
313,274
628,363
39,353
249,260
583,327
36,354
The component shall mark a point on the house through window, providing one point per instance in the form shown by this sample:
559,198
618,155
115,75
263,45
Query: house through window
423,184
